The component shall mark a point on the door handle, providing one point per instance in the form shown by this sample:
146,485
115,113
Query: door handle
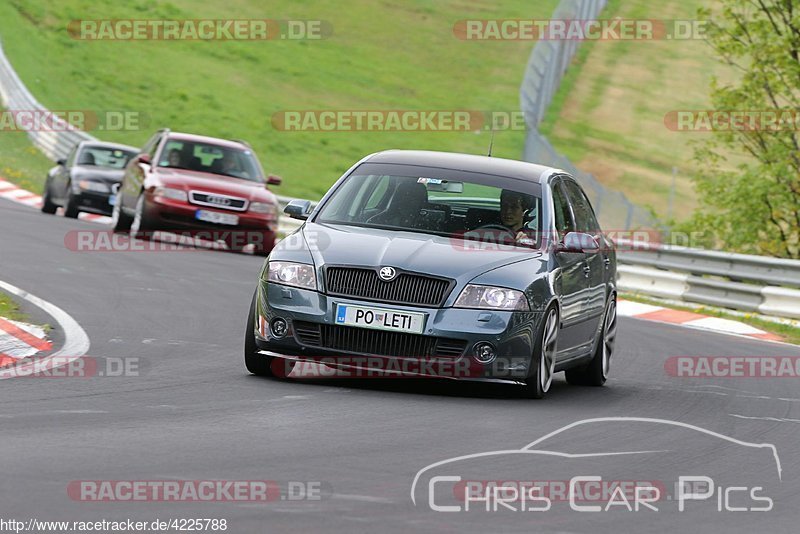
586,270
607,261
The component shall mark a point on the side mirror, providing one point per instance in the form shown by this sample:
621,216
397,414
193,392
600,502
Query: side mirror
61,162
143,158
578,242
298,209
273,179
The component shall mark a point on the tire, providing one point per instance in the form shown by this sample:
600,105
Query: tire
47,205
70,209
260,364
595,373
543,361
119,220
141,227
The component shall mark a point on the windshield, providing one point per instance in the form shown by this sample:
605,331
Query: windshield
107,157
214,159
460,209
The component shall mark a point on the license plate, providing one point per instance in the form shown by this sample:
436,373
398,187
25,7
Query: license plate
216,217
112,200
380,318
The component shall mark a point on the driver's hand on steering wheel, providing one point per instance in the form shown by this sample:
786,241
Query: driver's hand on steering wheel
524,239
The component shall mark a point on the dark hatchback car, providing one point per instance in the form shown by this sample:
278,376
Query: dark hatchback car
86,180
480,268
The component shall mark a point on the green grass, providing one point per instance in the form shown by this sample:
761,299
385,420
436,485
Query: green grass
608,117
21,163
789,333
382,55
10,310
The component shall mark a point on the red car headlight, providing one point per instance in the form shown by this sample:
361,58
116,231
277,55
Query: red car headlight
262,207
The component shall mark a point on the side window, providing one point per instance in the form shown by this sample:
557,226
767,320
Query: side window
563,215
584,215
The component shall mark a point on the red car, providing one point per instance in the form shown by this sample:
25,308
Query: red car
213,189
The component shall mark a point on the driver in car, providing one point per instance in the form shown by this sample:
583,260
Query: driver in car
517,213
174,158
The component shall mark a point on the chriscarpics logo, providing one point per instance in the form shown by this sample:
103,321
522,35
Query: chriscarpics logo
621,466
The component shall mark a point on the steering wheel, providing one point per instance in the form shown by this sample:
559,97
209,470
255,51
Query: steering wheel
493,226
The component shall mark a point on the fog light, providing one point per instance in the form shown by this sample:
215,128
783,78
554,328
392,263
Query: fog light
484,353
279,327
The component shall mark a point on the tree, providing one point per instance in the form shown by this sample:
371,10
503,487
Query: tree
754,207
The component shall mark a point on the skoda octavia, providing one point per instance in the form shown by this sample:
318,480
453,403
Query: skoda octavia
450,265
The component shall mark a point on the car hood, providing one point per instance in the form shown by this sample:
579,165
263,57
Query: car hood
97,174
214,183
422,253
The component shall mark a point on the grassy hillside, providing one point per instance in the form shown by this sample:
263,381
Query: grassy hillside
609,115
383,55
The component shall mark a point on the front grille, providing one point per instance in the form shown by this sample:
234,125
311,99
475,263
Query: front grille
406,288
216,200
376,342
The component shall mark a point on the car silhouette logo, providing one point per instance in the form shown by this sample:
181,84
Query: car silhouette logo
387,274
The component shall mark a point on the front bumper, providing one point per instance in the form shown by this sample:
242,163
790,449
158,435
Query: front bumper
176,215
512,335
93,202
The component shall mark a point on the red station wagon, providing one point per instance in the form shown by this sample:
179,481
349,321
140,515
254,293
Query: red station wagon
212,189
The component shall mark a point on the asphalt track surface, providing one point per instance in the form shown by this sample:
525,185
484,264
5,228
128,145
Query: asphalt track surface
193,413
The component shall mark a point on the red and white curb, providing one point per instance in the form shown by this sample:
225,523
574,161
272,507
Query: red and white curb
16,194
20,340
648,312
76,342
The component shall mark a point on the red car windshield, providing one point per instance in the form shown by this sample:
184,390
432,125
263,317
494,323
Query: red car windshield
210,158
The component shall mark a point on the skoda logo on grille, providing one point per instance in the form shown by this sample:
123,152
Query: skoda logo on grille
219,201
387,274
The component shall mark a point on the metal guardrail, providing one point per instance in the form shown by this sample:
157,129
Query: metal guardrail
55,144
546,67
770,286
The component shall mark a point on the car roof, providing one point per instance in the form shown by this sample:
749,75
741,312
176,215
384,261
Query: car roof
205,139
510,168
104,144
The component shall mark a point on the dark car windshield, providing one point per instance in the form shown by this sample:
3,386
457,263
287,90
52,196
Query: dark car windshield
106,157
506,213
210,158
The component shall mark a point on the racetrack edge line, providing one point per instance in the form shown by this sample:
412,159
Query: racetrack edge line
76,341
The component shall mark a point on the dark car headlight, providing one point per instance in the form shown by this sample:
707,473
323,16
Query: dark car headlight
492,298
292,274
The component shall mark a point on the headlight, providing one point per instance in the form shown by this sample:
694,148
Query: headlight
173,194
292,274
97,187
262,207
492,298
